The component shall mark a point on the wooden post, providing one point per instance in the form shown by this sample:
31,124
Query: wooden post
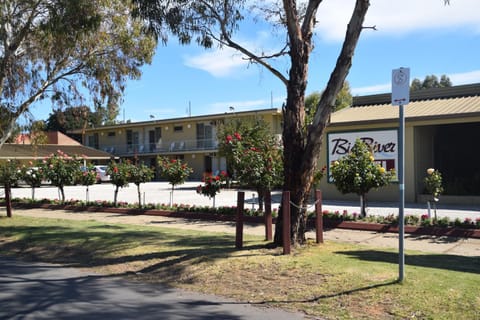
318,216
268,216
239,220
286,222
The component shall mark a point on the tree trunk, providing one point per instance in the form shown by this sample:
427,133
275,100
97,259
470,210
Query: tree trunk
301,145
62,194
139,196
115,194
363,205
261,197
8,200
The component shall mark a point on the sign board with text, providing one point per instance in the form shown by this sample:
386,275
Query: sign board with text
384,144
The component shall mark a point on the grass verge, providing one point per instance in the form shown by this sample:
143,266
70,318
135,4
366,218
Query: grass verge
332,281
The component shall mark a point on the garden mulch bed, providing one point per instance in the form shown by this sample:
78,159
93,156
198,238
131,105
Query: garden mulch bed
353,225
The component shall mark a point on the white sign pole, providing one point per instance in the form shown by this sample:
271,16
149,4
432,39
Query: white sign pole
401,97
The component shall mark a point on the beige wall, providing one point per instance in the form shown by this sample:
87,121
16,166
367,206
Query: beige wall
389,193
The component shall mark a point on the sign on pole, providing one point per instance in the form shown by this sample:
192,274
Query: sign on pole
400,86
401,97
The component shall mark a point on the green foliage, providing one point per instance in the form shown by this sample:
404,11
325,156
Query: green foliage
72,118
87,176
119,173
357,172
344,99
433,183
212,184
32,175
430,82
140,173
253,153
61,169
173,170
66,51
9,172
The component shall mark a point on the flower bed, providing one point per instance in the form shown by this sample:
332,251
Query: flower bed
413,224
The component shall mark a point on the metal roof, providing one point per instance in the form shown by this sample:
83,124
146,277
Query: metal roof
30,152
454,102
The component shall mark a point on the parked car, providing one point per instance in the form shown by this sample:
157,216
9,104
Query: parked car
102,175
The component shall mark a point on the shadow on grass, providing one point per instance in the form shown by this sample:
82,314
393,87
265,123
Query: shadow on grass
436,261
167,252
331,295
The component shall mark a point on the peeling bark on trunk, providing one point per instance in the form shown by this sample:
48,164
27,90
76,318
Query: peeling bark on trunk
302,147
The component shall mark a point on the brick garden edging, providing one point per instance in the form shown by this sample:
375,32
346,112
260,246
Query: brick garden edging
351,225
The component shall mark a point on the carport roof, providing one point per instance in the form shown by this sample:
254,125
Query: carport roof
453,102
30,152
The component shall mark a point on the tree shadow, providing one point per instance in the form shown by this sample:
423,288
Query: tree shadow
100,246
436,261
328,296
53,292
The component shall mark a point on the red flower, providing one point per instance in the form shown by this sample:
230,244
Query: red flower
173,161
228,139
115,169
237,136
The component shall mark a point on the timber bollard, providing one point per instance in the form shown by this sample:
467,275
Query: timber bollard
268,216
318,216
239,220
286,222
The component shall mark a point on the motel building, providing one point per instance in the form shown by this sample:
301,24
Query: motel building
442,131
192,139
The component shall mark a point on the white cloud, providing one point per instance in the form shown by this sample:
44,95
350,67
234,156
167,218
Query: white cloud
219,62
465,78
399,17
379,88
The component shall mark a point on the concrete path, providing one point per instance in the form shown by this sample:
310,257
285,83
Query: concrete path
46,291
160,192
429,244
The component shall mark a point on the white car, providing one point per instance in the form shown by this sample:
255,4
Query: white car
102,175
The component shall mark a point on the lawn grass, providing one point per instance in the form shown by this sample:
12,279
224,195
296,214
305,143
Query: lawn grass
333,281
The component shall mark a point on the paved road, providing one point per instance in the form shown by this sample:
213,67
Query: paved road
47,291
160,192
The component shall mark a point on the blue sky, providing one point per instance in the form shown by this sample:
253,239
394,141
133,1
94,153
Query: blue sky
425,36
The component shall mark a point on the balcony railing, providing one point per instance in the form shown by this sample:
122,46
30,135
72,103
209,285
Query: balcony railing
164,147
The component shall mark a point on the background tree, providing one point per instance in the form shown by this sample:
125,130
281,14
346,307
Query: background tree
174,171
5,123
139,174
119,176
62,170
68,51
72,118
344,99
434,186
32,175
212,185
210,22
9,175
254,155
87,176
430,82
358,173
